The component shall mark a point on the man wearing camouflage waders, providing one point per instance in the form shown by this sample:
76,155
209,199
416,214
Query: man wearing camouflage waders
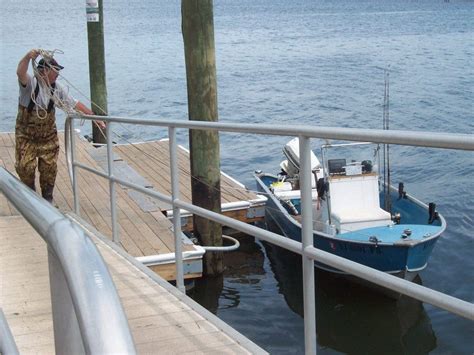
35,131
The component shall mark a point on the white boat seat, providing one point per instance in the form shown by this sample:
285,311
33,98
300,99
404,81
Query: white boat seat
362,215
355,203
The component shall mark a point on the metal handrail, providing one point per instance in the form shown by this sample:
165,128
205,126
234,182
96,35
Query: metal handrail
306,248
87,313
7,343
400,137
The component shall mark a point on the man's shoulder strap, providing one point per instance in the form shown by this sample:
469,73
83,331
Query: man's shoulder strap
35,95
51,101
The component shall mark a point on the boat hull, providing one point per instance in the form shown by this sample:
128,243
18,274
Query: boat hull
403,259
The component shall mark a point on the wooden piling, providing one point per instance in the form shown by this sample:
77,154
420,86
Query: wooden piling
198,36
98,86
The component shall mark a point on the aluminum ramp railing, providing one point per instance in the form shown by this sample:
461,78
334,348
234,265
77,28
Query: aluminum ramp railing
87,314
309,253
7,342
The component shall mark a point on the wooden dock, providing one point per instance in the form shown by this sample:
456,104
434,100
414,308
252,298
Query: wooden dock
144,228
161,319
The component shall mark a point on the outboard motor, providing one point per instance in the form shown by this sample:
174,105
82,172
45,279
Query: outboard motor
292,152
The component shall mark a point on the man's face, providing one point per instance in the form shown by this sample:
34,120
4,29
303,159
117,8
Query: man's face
53,74
49,74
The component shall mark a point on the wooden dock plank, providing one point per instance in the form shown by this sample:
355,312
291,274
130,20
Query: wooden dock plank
144,242
188,343
7,157
97,212
93,194
156,170
133,223
144,154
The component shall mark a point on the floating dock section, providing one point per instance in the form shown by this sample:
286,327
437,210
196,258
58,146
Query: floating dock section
144,226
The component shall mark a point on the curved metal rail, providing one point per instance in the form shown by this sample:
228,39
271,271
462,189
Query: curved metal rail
231,247
87,313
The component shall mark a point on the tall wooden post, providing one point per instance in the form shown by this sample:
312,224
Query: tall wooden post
198,35
98,86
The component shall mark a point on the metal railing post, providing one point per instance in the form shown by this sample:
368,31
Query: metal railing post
110,172
307,240
176,210
77,208
7,342
67,334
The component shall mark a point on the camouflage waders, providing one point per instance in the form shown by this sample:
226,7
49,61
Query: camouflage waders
37,144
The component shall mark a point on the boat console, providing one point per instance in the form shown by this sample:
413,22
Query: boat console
354,200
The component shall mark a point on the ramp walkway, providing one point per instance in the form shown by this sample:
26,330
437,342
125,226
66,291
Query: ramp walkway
161,319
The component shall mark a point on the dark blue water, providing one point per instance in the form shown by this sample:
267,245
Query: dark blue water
287,62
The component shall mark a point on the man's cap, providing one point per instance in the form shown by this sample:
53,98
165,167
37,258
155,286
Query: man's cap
49,63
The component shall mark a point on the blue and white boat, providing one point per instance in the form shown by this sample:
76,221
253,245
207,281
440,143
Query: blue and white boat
356,213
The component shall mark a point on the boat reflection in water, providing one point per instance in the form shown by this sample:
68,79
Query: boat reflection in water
350,318
241,267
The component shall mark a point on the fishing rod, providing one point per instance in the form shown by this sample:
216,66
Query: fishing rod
386,151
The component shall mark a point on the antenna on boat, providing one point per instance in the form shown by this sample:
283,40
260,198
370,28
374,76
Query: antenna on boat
386,147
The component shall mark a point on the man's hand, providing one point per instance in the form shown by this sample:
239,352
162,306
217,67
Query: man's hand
33,54
87,111
22,70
